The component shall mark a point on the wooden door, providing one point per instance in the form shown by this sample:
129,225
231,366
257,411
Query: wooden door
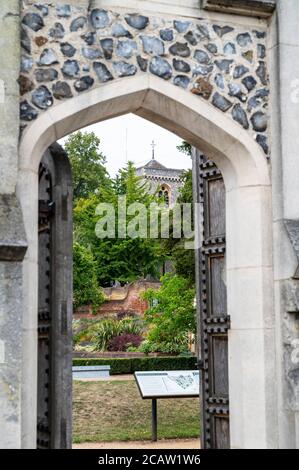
213,319
54,405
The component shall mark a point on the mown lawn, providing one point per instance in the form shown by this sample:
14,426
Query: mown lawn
114,411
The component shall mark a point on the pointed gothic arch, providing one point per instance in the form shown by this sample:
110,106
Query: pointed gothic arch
248,215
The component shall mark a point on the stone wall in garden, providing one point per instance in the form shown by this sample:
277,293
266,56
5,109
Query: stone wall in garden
120,301
68,49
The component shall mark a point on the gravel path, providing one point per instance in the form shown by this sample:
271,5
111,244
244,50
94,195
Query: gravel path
162,444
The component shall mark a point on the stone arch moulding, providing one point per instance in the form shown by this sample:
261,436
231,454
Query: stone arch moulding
249,239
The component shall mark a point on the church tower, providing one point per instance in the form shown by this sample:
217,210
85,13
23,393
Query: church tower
166,182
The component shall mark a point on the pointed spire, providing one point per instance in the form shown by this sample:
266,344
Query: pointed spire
153,147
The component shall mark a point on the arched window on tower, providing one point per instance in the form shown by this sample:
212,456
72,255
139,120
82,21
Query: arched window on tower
164,194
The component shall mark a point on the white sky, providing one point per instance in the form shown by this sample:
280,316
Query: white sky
140,134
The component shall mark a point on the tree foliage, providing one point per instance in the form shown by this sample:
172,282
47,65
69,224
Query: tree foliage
86,290
118,259
171,315
88,163
183,259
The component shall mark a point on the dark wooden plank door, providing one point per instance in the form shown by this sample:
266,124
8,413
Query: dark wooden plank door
46,212
213,321
54,403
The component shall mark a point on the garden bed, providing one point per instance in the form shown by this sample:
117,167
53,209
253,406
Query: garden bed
116,354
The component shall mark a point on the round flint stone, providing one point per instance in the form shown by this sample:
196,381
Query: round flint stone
26,84
62,90
235,90
42,8
219,81
260,34
70,68
181,66
33,21
152,45
107,46
249,82
48,57
99,18
102,72
211,47
143,63
259,121
161,68
25,41
202,87
42,97
261,51
240,70
63,11
263,142
253,103
57,32
84,83
27,112
124,69
229,48
26,63
67,49
126,48
240,116
181,26
221,31
91,54
244,39
201,56
180,49
203,31
137,21
119,31
182,81
45,75
191,38
78,23
221,102
224,65
262,72
89,38
166,34
202,70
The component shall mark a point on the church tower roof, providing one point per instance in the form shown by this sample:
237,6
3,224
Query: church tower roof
153,163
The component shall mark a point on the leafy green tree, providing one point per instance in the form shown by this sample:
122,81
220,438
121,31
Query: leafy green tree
171,315
86,290
183,260
118,259
88,164
185,148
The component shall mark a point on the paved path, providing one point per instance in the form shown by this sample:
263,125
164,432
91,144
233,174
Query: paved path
111,378
162,444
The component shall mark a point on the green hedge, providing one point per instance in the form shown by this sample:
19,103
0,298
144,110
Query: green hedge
129,365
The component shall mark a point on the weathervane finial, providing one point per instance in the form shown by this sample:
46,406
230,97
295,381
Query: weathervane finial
153,147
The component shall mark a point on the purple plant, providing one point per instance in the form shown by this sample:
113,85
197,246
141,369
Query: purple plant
122,342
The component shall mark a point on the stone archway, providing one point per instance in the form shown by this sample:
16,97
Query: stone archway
249,240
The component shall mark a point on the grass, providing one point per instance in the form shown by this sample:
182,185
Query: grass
114,411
